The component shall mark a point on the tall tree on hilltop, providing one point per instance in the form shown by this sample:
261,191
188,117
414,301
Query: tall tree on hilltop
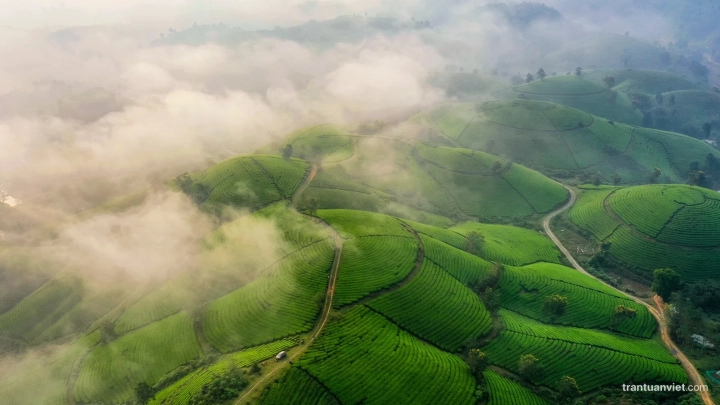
706,128
666,282
541,74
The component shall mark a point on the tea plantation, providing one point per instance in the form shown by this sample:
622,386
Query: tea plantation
533,133
379,256
680,229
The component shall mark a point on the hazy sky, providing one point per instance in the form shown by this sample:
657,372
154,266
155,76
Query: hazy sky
53,13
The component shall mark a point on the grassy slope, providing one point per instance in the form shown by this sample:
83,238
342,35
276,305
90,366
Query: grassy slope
656,226
555,138
581,94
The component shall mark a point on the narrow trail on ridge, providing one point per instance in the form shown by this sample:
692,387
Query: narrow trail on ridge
658,313
327,306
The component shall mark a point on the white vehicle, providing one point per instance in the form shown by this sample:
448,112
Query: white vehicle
281,355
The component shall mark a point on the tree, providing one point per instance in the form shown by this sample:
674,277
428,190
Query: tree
617,179
528,366
491,298
665,282
568,387
529,78
497,166
612,97
578,71
698,178
144,393
517,79
478,361
622,313
659,98
655,175
287,151
474,242
312,206
706,128
597,180
184,182
671,101
221,389
541,74
555,304
609,81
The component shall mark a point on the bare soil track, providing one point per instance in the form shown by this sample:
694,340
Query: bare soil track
658,312
327,306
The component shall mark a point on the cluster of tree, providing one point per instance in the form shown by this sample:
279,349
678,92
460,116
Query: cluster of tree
286,151
370,128
622,313
199,192
145,392
521,15
529,367
704,175
555,304
655,175
474,242
221,389
666,282
660,113
478,361
705,295
690,302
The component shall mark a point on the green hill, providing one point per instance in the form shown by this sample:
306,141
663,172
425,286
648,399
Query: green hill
451,182
419,280
650,227
598,358
610,51
649,82
563,141
690,110
581,94
249,181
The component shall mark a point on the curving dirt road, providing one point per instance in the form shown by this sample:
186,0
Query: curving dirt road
327,306
657,313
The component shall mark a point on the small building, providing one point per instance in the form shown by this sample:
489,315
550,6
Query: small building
711,142
281,355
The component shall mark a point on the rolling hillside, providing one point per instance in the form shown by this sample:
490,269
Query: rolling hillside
562,141
393,220
582,94
401,178
678,230
649,82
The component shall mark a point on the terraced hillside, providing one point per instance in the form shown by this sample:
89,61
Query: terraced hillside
690,110
649,82
250,181
407,301
597,359
582,94
680,229
617,52
558,139
421,182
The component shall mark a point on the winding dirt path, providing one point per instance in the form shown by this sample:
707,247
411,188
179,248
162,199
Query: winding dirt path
327,306
657,313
